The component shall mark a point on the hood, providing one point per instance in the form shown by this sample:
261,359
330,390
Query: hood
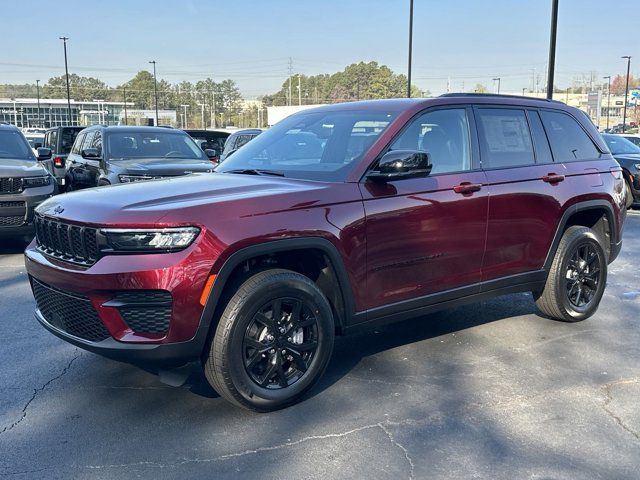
628,159
161,166
21,168
191,199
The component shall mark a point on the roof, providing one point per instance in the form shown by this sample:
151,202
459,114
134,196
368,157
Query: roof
134,129
245,131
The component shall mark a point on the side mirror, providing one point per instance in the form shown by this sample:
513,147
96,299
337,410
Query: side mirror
401,164
91,153
211,153
44,154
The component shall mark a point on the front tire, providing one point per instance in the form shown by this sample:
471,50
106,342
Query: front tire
272,343
576,279
629,195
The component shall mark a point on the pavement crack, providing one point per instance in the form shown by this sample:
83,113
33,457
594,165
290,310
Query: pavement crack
609,398
36,392
401,447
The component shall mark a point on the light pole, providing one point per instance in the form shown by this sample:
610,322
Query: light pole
155,88
626,92
38,94
497,79
124,94
184,122
202,115
66,71
523,90
552,48
608,78
410,48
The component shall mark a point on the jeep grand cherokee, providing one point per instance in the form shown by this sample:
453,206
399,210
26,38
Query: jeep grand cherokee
336,219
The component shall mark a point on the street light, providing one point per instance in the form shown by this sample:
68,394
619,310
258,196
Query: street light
523,90
38,94
184,121
497,79
608,78
66,70
626,92
410,47
552,48
155,88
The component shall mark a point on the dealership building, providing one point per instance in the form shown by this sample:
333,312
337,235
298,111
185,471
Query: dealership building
53,112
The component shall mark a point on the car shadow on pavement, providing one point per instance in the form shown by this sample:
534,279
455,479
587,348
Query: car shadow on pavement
9,246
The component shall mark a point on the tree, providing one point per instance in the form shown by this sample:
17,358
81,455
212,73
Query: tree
140,90
619,81
81,88
480,88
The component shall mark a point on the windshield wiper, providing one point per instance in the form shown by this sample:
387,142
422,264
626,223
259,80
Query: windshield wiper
252,171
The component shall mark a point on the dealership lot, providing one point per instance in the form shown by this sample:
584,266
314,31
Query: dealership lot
487,390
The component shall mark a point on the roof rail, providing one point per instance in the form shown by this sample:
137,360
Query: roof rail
498,95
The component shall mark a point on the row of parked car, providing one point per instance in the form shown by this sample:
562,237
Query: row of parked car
36,165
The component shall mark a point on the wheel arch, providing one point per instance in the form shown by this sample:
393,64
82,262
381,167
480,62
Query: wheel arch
595,214
234,271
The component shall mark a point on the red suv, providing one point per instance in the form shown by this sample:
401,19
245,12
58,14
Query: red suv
336,219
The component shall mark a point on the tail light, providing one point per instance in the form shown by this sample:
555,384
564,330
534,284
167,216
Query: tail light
58,162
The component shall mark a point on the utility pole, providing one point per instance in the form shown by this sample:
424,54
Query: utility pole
498,80
38,94
66,71
155,88
290,73
608,78
523,90
299,92
213,109
410,48
184,122
626,92
126,120
202,115
552,48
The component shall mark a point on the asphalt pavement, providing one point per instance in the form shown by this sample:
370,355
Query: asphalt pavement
491,390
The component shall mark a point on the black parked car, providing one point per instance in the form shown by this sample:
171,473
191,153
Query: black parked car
60,140
210,140
237,140
628,156
25,182
104,155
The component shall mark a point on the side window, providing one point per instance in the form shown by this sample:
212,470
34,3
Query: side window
97,142
52,143
444,134
569,142
505,140
543,152
243,140
86,143
77,146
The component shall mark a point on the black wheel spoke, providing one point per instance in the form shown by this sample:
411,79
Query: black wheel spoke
591,283
266,321
282,378
305,346
254,359
277,310
271,370
253,343
298,360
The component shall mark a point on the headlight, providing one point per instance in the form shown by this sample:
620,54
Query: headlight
31,182
637,165
149,240
134,178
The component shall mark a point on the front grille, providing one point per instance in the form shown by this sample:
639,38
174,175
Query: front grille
12,221
71,243
69,312
144,311
12,205
10,185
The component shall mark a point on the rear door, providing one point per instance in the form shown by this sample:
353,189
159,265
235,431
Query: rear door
426,235
526,190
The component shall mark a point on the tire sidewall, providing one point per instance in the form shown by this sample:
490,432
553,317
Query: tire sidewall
265,398
563,300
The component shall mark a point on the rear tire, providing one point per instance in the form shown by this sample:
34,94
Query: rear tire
576,279
272,343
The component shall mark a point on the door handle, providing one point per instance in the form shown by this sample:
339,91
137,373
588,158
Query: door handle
467,187
553,178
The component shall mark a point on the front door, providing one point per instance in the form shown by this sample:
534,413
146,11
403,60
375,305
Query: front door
427,235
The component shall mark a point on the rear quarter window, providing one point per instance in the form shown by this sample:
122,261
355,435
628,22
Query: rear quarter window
505,140
569,142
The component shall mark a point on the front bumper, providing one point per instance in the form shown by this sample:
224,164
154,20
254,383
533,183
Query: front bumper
16,211
181,274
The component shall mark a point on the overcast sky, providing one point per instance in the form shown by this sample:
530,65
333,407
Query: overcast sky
250,41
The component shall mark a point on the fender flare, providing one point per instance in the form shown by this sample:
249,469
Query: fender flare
580,207
275,246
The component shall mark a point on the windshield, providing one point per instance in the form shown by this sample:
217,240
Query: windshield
620,145
33,140
320,145
67,137
14,146
125,145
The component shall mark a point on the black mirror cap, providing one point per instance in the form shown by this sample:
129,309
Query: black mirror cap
211,152
400,164
90,153
44,153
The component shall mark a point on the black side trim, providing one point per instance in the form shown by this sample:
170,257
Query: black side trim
523,282
273,247
579,207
